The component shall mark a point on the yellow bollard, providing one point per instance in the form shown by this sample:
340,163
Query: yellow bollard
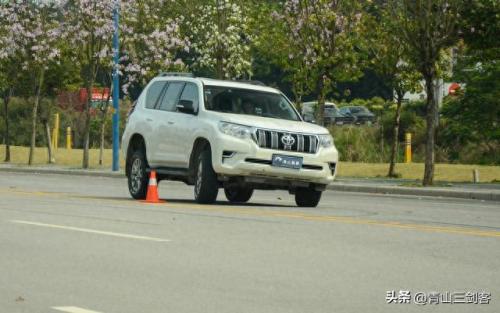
53,139
68,138
408,148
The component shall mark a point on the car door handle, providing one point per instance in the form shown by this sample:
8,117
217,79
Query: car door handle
170,123
149,119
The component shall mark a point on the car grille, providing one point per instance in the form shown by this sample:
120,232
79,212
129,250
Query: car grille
274,140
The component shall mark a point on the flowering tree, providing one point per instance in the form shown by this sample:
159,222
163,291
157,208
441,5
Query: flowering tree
389,59
428,27
273,42
150,42
89,28
324,39
34,35
8,65
221,39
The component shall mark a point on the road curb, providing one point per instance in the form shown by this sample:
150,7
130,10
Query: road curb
337,186
75,172
417,191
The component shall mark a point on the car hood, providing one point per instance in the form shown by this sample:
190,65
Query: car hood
270,123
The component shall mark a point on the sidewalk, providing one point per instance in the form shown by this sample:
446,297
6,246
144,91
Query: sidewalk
482,191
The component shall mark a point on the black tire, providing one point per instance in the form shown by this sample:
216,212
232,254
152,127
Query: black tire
206,186
238,194
307,197
137,175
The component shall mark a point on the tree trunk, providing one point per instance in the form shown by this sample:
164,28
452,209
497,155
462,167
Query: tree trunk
103,128
86,139
320,114
430,131
395,140
6,101
35,115
219,66
382,143
104,112
298,99
51,158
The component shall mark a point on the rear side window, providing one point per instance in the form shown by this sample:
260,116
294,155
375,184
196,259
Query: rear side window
171,96
190,93
153,94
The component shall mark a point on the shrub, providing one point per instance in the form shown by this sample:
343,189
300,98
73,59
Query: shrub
359,143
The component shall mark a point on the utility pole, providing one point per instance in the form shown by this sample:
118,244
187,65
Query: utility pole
116,91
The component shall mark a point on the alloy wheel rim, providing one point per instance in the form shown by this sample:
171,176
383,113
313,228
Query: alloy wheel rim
199,178
136,175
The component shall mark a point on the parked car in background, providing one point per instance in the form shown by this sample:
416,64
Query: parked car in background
360,114
332,115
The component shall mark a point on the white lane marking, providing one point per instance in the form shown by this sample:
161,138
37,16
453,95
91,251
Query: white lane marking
72,309
92,231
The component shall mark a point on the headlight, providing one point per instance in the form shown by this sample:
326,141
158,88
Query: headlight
325,141
235,130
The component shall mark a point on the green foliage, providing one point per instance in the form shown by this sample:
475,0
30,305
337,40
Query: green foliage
359,144
20,111
389,53
481,25
472,117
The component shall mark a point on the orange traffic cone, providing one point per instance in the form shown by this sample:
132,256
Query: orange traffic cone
152,194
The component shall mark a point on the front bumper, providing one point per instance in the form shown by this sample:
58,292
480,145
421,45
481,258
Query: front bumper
243,157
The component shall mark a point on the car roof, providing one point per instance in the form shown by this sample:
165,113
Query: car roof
219,82
315,102
236,84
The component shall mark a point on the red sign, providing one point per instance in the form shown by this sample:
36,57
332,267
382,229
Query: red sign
454,87
98,94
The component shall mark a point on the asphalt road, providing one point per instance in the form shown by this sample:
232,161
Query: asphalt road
81,245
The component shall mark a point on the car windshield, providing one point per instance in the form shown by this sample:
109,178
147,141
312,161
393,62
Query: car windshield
249,102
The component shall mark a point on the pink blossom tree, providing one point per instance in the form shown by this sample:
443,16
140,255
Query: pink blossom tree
33,34
150,41
89,29
324,38
221,38
9,64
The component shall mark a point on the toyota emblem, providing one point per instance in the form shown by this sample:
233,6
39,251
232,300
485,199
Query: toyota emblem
288,141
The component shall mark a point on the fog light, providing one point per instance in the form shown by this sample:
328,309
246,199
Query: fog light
227,155
332,166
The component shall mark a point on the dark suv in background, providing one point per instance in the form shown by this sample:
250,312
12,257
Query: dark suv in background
360,114
332,115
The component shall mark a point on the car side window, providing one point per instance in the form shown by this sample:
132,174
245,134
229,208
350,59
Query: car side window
171,96
153,93
190,93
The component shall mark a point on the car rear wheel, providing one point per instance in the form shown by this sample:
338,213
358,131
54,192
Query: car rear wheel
307,197
206,185
238,194
137,176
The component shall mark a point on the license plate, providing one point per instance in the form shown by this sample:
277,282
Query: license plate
287,161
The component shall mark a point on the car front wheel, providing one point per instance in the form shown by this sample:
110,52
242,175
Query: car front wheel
206,185
238,194
138,177
307,197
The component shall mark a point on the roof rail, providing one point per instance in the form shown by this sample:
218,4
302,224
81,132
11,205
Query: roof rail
252,82
179,74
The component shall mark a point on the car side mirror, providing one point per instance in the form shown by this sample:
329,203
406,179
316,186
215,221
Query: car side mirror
186,106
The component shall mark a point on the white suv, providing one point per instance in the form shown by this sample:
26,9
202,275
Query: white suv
225,134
